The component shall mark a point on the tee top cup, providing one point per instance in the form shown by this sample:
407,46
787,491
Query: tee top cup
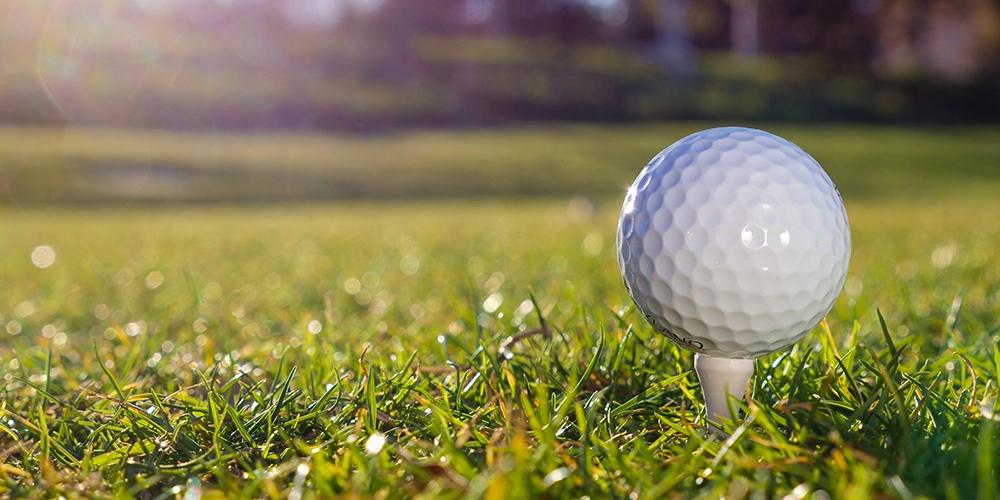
733,243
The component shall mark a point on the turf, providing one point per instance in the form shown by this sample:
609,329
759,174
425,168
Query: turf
471,350
108,166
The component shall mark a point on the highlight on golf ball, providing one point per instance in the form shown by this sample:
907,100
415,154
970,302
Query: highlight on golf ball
734,243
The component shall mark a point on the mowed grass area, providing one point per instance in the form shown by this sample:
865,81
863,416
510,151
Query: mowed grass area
76,165
471,349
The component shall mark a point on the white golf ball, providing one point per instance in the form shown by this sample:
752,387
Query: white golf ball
733,242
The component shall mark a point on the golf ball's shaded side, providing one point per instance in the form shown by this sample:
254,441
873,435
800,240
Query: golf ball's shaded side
733,242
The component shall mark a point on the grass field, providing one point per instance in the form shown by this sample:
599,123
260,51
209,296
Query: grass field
126,166
476,349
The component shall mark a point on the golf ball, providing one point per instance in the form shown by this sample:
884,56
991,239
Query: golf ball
733,242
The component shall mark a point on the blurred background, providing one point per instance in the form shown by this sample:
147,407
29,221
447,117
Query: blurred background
104,101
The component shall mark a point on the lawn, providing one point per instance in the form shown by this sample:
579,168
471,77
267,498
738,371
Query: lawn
78,165
480,348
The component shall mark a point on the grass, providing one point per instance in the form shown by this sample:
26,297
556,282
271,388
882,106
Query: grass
111,166
472,350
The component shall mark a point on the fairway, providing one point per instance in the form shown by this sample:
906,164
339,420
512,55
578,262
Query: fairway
470,349
118,166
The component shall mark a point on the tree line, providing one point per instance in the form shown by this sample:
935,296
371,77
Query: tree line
376,64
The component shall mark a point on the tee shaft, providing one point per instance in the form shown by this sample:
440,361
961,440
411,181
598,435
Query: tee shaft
721,377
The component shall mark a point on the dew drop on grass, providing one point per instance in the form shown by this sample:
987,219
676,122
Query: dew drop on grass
375,443
154,280
556,476
134,329
299,482
524,309
409,264
486,321
102,311
200,325
942,255
494,282
193,489
417,311
988,409
43,256
25,309
798,493
154,359
352,286
492,303
315,327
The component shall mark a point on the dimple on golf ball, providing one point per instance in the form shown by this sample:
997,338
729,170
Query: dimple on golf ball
733,242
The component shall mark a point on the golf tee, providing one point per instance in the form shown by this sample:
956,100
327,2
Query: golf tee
719,378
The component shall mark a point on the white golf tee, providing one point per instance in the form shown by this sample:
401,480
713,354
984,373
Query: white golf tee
719,378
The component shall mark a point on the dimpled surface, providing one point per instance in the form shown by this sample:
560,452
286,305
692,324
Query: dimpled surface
733,242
